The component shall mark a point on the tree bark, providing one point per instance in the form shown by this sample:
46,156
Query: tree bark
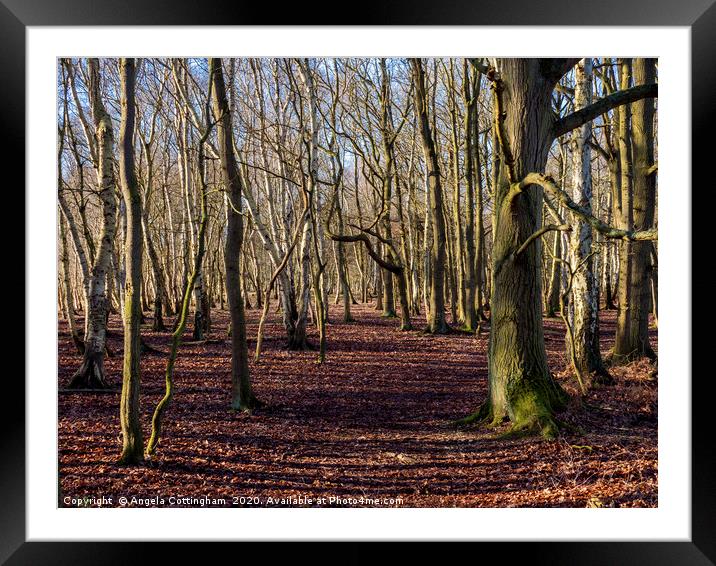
300,341
388,140
436,312
471,82
132,443
521,387
91,373
242,397
624,343
636,343
342,268
584,304
555,276
68,297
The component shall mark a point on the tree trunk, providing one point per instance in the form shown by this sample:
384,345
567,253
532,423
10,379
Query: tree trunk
299,339
654,286
471,90
481,279
584,304
160,292
555,277
607,263
458,236
643,204
378,278
521,387
68,297
132,443
91,374
343,287
624,344
242,398
436,311
390,175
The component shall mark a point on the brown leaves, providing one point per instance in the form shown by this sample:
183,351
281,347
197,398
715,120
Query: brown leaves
371,422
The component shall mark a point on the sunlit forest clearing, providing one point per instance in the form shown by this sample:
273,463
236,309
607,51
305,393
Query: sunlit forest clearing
358,282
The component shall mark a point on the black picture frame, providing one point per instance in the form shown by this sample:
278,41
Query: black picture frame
699,15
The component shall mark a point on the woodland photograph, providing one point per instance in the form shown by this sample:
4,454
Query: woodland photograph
357,282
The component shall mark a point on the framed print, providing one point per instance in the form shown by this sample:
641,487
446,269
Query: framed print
425,277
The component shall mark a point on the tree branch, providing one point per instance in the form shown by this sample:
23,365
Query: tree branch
541,232
499,112
576,119
548,184
396,269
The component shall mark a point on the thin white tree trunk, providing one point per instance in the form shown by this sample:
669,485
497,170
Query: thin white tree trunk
584,306
91,372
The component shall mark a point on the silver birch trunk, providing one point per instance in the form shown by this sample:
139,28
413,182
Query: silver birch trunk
91,372
584,305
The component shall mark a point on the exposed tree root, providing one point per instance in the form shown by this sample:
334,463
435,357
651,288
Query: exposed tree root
614,359
90,374
546,427
447,329
531,414
480,416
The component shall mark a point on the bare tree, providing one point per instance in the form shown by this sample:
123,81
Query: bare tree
91,373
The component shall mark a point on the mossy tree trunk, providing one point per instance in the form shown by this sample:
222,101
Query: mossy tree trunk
643,214
132,443
635,211
521,387
388,171
457,249
481,279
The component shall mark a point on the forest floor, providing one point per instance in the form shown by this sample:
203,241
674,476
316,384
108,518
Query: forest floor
372,422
